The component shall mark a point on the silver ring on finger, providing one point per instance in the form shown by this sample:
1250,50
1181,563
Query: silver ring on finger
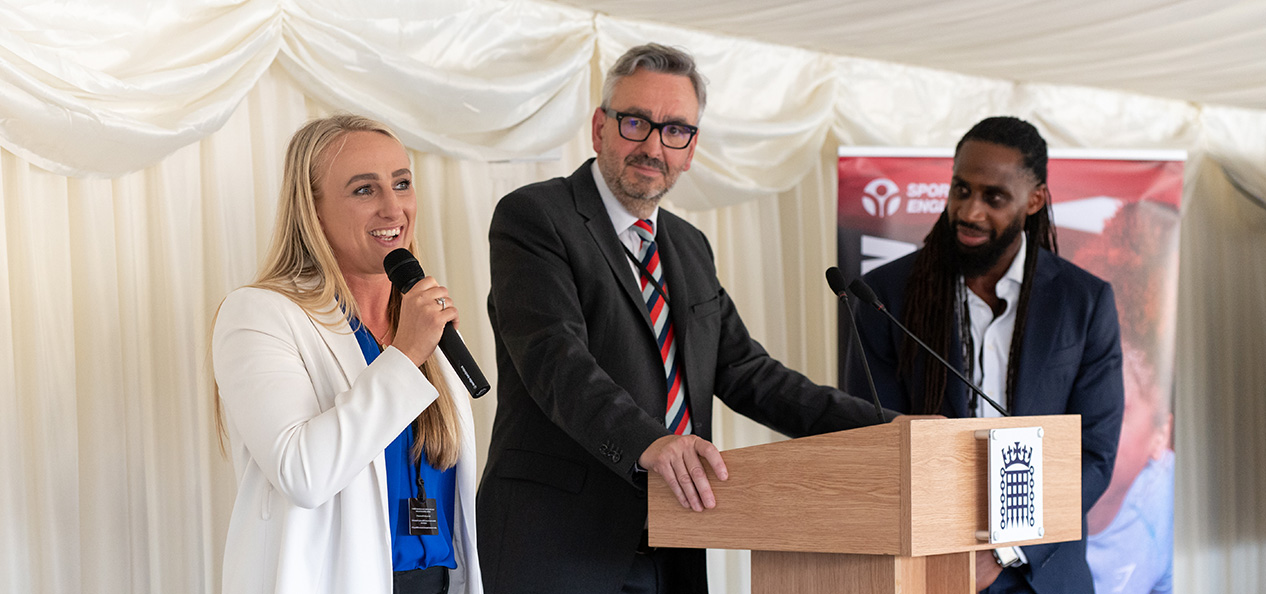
443,303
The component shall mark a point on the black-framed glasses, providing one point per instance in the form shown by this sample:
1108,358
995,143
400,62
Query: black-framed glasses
637,129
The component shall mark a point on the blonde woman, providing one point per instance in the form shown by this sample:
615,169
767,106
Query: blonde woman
350,435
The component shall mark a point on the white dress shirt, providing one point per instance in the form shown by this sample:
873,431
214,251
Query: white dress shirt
991,336
622,220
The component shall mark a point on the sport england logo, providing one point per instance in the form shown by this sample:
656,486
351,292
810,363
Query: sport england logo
881,198
1017,482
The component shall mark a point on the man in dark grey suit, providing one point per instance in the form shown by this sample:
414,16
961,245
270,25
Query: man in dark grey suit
613,334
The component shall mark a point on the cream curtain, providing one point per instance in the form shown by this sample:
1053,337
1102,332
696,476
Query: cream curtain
142,147
103,89
1220,522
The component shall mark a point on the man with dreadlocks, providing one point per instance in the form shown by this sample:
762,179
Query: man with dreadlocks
1038,334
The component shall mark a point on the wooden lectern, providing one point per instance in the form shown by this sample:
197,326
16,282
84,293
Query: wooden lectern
884,509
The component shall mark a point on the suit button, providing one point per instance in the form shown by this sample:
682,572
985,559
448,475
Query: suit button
611,452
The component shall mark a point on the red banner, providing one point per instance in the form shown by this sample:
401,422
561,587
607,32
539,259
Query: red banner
1116,215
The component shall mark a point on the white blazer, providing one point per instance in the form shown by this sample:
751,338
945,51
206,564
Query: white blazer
308,421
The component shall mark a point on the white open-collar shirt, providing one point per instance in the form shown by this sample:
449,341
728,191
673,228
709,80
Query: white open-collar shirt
622,220
991,336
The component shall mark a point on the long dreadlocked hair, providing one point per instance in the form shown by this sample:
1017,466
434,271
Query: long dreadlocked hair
933,280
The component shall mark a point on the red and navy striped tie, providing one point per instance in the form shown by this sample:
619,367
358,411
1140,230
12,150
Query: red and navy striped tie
677,417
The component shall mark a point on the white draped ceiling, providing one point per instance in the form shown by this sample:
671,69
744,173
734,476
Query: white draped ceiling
1192,50
141,152
92,90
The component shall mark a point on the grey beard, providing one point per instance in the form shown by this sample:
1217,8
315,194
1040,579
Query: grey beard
636,202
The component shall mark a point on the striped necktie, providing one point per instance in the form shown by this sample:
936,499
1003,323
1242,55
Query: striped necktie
677,415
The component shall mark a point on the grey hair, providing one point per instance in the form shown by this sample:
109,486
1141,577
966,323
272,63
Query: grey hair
656,58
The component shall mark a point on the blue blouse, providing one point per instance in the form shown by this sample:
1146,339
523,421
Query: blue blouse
412,551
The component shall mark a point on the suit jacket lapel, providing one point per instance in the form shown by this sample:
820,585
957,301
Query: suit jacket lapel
956,394
341,342
1044,314
598,222
338,337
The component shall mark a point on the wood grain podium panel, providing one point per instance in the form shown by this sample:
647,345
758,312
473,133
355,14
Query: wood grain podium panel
913,488
952,573
777,572
947,477
838,492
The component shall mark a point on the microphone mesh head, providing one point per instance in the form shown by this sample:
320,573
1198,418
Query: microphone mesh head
403,269
835,279
863,292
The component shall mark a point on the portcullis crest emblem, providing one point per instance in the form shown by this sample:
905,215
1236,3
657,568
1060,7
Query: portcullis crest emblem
1016,482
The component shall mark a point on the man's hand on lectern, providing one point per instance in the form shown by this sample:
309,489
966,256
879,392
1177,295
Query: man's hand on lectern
679,459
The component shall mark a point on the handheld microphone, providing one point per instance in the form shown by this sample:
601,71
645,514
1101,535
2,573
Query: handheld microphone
867,295
405,271
835,279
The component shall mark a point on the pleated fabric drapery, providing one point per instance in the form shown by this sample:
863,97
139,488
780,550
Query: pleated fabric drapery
95,91
1219,398
103,89
142,147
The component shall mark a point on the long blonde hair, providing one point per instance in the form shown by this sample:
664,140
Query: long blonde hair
300,265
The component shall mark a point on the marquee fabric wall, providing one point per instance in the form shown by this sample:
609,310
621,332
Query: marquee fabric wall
140,164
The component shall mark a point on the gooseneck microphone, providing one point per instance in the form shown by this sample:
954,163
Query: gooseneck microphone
867,295
835,279
405,271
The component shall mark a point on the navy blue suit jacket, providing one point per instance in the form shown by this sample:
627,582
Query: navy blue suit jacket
1070,363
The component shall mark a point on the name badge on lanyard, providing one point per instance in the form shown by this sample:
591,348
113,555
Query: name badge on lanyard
424,517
